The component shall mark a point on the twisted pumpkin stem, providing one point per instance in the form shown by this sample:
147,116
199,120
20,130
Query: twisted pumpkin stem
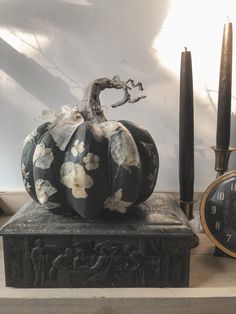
92,109
126,88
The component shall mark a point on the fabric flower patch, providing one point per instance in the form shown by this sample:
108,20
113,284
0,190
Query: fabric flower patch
43,156
65,125
27,186
110,127
123,150
97,130
75,178
78,148
115,203
30,138
25,176
44,190
91,161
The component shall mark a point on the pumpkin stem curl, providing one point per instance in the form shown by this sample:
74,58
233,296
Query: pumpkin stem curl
92,109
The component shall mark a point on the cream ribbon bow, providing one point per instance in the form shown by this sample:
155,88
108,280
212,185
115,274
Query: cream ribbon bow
64,126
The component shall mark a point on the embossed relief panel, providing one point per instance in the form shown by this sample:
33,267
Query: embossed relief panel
51,261
13,256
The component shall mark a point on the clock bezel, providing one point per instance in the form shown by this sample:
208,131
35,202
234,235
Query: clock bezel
202,207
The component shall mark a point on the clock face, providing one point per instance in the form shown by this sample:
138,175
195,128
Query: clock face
218,212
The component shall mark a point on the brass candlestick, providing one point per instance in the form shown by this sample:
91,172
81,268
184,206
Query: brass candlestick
222,159
187,208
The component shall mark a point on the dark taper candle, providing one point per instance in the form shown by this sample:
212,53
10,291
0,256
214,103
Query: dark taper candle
224,94
186,134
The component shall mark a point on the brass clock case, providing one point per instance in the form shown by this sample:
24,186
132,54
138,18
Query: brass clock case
218,212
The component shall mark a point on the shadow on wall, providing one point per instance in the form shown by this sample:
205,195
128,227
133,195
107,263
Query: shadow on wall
101,32
90,39
35,79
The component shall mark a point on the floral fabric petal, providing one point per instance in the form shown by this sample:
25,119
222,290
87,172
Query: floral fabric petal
91,161
78,148
43,157
82,178
44,190
75,178
63,128
115,203
30,137
79,192
67,173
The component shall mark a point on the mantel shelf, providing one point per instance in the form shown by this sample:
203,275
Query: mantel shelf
212,290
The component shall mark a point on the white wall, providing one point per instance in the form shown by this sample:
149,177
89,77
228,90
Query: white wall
50,50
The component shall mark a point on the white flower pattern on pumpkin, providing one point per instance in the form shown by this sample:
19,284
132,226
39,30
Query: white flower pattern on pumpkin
109,127
78,148
124,151
27,186
75,178
44,190
63,128
97,130
30,138
25,176
115,203
91,161
23,171
122,146
43,156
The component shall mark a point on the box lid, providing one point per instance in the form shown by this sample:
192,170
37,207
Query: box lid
159,215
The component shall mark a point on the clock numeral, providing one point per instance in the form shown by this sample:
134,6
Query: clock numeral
220,196
213,209
217,225
233,186
228,237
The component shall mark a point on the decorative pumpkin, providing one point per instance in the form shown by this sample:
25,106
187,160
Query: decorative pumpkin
85,163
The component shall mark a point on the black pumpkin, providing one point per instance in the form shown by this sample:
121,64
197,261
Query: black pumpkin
85,163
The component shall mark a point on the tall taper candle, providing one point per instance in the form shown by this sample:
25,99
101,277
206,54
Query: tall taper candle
186,135
224,94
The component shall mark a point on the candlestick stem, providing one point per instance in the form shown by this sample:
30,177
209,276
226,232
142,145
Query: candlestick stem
186,135
224,95
187,208
222,159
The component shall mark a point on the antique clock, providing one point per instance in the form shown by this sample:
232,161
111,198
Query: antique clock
218,213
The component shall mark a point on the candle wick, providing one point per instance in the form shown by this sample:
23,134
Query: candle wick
185,48
228,19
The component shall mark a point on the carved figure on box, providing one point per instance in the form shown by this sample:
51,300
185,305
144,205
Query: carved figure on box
80,262
38,258
61,262
102,267
81,162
